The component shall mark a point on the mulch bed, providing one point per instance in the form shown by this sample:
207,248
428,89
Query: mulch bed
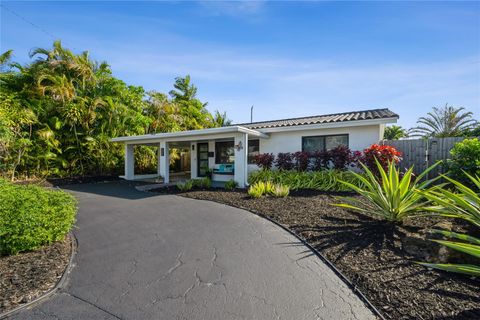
372,254
26,276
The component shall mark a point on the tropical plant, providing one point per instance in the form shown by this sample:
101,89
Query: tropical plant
203,183
284,161
389,195
463,204
260,188
464,158
264,160
383,155
231,185
280,190
32,216
394,133
185,186
342,157
443,122
325,180
221,119
301,160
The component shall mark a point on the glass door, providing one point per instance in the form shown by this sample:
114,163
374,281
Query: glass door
202,156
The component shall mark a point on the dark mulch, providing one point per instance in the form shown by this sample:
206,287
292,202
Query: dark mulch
28,275
369,253
54,182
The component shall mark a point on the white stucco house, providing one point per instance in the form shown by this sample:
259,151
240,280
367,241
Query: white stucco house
229,151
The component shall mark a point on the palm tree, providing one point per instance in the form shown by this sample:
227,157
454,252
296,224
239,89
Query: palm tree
5,57
221,119
185,91
394,133
444,122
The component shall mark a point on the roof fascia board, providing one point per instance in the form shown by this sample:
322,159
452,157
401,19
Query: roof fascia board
355,123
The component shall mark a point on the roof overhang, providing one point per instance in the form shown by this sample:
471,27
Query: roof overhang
344,124
191,135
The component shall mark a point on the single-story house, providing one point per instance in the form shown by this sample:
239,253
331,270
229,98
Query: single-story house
228,151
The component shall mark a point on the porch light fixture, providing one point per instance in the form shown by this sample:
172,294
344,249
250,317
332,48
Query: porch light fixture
239,146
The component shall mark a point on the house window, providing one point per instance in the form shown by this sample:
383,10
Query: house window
323,143
253,150
224,152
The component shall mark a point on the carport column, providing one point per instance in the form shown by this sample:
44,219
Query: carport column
193,160
129,162
241,159
164,162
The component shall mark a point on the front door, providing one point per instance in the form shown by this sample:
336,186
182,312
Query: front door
202,156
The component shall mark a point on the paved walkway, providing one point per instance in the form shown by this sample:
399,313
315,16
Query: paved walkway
144,256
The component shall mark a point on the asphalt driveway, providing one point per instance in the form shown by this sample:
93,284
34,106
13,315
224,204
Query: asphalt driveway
145,256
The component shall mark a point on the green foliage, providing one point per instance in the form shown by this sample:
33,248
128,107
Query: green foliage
465,159
260,188
59,112
463,204
185,186
203,183
31,216
390,196
325,180
445,122
394,133
280,190
231,185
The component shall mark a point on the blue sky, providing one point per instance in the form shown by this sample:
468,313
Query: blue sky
288,59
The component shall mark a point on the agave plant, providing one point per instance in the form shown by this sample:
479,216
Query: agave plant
463,204
389,195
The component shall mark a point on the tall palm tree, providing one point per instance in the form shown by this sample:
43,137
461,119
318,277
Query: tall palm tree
394,133
184,89
221,119
444,122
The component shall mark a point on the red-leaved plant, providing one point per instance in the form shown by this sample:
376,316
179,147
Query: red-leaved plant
302,160
284,161
264,160
384,155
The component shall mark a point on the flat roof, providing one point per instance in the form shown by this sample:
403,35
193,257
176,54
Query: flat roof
190,134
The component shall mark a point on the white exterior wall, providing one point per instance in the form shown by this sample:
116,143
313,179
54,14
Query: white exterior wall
359,138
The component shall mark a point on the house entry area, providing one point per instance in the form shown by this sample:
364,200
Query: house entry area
179,161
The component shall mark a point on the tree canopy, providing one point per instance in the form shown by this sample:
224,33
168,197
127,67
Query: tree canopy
59,112
394,133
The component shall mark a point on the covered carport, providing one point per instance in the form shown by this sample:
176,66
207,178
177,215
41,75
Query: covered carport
240,136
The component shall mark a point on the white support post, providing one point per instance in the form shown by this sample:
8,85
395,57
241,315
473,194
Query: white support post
193,160
241,159
164,162
129,162
211,148
159,171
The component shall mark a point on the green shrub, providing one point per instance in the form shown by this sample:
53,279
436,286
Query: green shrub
203,183
185,186
231,185
463,204
465,158
32,216
256,190
325,180
390,195
280,190
261,188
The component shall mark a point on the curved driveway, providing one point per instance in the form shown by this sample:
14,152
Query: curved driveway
145,256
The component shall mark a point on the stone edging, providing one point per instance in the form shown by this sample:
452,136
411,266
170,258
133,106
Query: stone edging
59,285
352,286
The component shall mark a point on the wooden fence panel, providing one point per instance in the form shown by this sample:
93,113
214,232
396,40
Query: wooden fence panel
421,153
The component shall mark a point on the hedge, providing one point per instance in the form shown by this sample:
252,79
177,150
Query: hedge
32,216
